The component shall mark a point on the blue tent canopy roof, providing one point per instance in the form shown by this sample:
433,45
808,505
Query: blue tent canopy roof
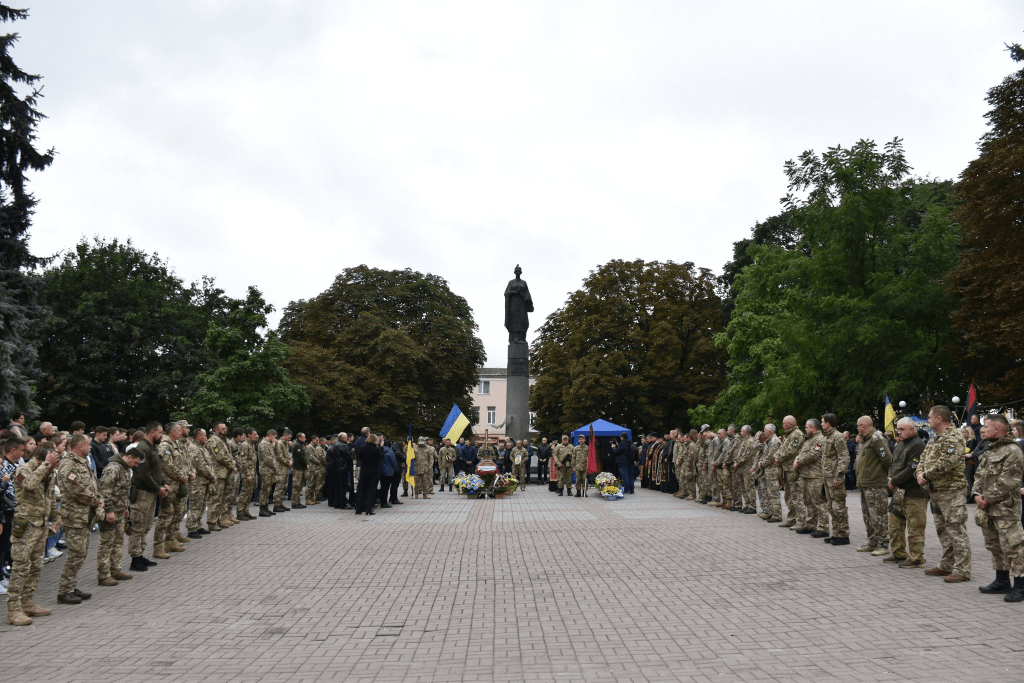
601,428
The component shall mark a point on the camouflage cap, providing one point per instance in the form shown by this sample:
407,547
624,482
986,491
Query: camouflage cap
183,423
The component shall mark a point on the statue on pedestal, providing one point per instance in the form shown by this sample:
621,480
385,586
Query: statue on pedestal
518,303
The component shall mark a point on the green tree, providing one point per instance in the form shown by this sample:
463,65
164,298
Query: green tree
856,308
385,349
990,326
248,384
125,341
635,345
19,288
778,230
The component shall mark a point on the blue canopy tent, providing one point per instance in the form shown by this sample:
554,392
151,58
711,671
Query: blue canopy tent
601,428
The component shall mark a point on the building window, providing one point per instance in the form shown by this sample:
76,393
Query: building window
484,387
492,415
476,414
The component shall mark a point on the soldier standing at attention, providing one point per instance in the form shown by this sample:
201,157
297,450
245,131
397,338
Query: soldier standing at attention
185,447
268,470
579,466
563,460
231,481
199,488
284,463
872,467
424,466
743,480
115,488
80,503
520,461
792,442
315,459
299,467
175,477
835,460
147,486
909,514
942,470
723,458
770,472
446,458
33,489
222,462
247,471
997,493
808,466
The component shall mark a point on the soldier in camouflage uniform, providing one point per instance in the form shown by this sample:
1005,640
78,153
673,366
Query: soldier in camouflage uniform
723,465
223,463
519,470
942,470
872,468
231,483
268,470
743,480
316,461
579,466
792,442
563,460
755,464
115,488
33,488
679,451
424,466
446,463
80,505
185,445
199,488
284,464
835,460
807,465
768,469
997,483
702,458
908,512
247,471
173,468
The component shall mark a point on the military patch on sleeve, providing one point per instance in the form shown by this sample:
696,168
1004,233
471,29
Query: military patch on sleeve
817,447
20,477
71,477
950,449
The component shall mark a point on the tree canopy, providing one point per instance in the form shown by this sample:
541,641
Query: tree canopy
856,307
990,346
383,348
635,345
20,311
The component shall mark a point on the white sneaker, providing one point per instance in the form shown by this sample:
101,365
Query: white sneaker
53,554
880,551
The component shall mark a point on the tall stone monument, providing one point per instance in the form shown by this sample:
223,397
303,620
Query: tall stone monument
518,303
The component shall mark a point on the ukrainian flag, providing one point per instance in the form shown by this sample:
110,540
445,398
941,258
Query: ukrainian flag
455,424
410,467
890,416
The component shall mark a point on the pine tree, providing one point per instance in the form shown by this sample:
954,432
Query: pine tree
19,287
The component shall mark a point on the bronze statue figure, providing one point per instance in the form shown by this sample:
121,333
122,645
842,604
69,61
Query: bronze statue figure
518,303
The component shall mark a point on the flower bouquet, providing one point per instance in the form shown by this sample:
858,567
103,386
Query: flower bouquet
611,493
604,480
501,485
472,484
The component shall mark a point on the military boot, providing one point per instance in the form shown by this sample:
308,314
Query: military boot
225,522
264,512
158,552
107,581
30,608
181,539
212,526
560,492
1017,594
121,576
1000,585
173,546
15,615
138,565
450,488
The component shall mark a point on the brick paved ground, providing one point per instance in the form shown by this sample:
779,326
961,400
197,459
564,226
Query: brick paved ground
534,587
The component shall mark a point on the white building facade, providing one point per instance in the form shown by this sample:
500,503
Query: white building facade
489,403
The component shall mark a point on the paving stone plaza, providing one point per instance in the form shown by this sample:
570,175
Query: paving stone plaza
530,588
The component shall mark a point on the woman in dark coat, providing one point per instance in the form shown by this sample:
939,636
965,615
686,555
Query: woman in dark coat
369,456
339,462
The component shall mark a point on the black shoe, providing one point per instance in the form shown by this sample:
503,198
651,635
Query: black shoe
345,507
370,512
396,502
803,531
298,506
194,534
840,541
61,545
204,532
579,495
385,506
148,562
1000,585
827,539
1016,595
82,594
820,534
138,565
748,511
405,494
264,512
69,599
560,492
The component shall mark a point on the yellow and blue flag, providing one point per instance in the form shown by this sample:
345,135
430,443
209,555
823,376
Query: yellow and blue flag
455,424
890,416
410,466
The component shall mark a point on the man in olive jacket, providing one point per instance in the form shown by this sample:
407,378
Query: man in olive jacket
872,468
908,512
147,486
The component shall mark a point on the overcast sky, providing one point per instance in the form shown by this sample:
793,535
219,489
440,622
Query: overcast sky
275,143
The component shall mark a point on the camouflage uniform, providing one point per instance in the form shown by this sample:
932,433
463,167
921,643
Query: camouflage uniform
424,470
231,485
998,478
691,468
873,456
246,469
942,465
815,516
173,467
199,488
743,480
33,488
835,460
115,487
80,504
222,463
723,471
679,466
283,460
712,452
579,468
792,442
317,462
446,464
703,459
563,455
769,472
268,470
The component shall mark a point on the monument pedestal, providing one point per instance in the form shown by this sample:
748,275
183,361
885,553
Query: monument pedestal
517,396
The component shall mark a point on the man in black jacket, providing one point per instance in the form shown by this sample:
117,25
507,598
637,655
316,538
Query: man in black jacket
100,450
339,469
908,509
543,460
147,486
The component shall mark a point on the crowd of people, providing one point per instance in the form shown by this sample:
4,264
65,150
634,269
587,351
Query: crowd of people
118,483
